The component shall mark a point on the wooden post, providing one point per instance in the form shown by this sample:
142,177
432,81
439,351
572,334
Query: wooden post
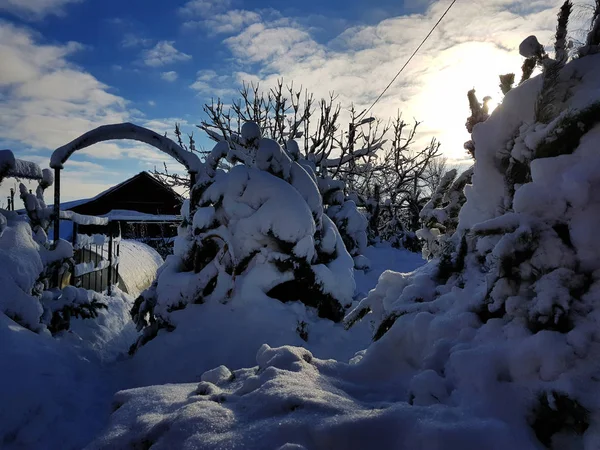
74,237
12,199
56,206
57,216
110,258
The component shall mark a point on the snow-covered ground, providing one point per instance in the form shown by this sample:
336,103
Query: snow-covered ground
57,392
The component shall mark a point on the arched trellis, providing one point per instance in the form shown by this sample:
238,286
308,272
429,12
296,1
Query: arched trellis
119,131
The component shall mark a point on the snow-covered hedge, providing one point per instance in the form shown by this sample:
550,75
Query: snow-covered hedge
257,229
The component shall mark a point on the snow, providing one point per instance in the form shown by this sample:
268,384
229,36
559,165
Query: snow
18,168
20,266
26,169
136,216
530,47
56,392
293,400
81,219
125,131
61,389
138,264
7,160
492,345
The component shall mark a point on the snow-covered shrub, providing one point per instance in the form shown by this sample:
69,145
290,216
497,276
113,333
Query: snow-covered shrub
440,215
520,292
31,265
257,229
344,212
26,298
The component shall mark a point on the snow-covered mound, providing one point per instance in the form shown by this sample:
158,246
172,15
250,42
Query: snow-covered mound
138,264
494,345
293,401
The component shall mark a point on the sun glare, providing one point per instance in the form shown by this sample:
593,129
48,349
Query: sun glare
492,105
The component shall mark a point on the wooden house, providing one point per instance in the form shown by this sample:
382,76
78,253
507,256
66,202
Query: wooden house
144,207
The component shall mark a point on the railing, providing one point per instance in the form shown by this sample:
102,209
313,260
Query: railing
96,255
96,249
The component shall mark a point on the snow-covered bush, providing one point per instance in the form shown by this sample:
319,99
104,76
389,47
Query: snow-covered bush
440,214
524,278
27,267
31,265
344,212
257,229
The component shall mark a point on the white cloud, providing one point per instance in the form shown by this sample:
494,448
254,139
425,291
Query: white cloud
169,76
46,101
131,40
474,44
229,22
35,9
204,8
262,42
151,103
162,54
211,84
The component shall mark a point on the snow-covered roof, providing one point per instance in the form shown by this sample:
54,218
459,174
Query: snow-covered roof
136,216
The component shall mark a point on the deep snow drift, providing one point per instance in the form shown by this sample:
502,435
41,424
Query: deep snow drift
493,346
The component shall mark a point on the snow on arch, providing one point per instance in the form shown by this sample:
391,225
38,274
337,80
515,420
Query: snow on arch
138,264
123,131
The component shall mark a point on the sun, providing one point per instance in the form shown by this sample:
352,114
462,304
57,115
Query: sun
492,105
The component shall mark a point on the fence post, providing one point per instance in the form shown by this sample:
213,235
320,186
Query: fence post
57,216
56,206
74,237
110,258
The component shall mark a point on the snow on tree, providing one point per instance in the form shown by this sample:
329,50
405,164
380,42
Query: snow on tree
524,269
31,263
348,166
440,214
257,229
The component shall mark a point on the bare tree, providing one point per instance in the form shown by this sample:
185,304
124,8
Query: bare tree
369,162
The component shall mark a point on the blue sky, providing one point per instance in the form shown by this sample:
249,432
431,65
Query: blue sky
71,65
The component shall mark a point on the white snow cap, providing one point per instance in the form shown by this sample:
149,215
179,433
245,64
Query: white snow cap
7,160
250,134
530,47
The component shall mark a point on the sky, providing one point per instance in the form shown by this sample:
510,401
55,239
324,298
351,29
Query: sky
67,66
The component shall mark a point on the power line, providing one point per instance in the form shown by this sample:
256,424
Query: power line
410,59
